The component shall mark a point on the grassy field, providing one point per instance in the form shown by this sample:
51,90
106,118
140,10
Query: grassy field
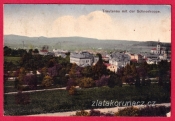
61,101
12,59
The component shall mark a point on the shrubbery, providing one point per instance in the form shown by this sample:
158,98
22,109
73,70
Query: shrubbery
86,82
72,90
47,81
82,113
153,111
103,81
129,111
94,112
31,81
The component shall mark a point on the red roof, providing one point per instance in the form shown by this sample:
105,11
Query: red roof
107,64
43,50
154,49
134,60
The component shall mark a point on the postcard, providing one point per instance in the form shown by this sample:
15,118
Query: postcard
87,60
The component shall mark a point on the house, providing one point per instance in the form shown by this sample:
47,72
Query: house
111,67
83,59
119,59
137,58
43,52
60,53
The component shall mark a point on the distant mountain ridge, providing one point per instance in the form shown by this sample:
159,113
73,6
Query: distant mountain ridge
71,42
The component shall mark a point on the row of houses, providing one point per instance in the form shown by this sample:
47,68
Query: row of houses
115,60
55,52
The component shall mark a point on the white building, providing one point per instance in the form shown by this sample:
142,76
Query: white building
118,60
83,59
158,49
43,52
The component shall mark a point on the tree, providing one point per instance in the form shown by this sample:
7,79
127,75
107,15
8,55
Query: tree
75,71
164,69
99,69
86,82
129,74
30,51
44,71
142,71
7,51
31,81
103,81
36,51
87,71
71,82
22,73
72,90
47,81
72,72
112,81
53,71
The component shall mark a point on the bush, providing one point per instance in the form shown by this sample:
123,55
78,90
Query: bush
72,90
153,111
70,83
103,81
146,111
86,82
47,81
129,111
82,113
95,112
31,81
18,85
107,114
22,98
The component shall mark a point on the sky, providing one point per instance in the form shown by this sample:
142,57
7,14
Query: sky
92,21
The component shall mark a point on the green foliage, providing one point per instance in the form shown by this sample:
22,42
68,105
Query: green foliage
153,73
61,101
114,80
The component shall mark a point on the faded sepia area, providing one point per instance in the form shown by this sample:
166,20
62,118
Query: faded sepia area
87,60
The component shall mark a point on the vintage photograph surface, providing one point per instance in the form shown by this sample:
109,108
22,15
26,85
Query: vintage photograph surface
87,60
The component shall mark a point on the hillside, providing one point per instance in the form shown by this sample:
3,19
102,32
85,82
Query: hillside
72,43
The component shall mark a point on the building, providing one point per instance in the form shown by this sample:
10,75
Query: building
138,58
83,59
156,54
43,52
158,49
111,67
118,60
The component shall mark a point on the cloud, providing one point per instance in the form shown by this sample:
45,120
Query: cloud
97,24
102,26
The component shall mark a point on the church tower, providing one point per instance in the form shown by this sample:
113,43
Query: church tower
158,47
